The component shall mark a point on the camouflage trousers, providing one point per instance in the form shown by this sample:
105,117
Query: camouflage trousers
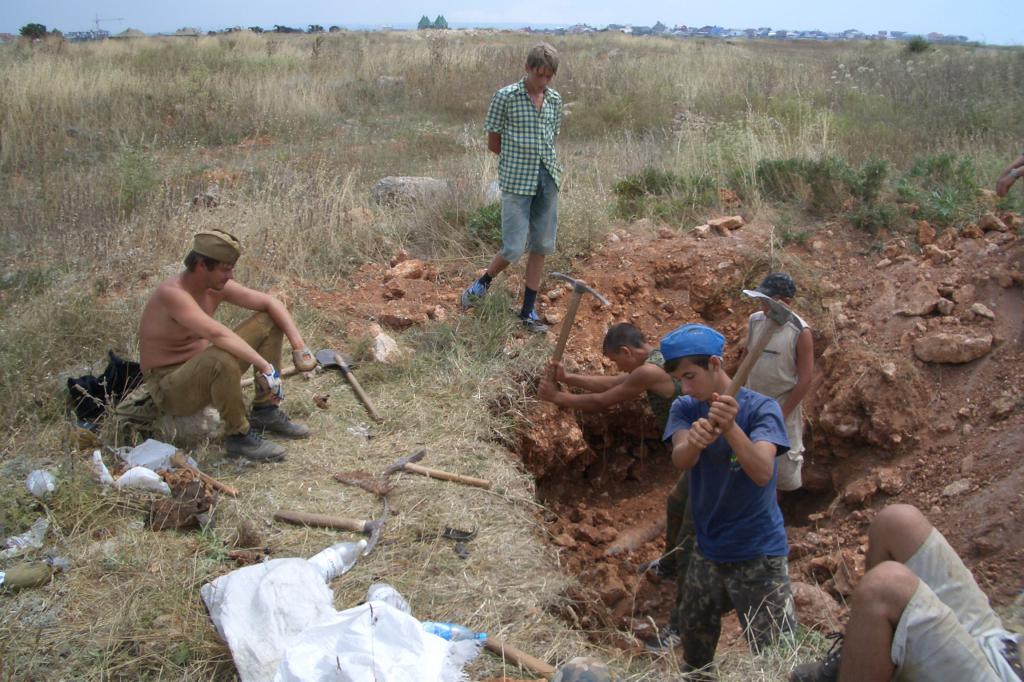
758,589
680,539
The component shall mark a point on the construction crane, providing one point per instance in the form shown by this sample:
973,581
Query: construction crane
98,20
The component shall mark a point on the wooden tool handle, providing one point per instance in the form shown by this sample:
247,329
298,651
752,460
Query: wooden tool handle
448,476
570,316
321,520
753,354
358,390
179,460
286,372
523,660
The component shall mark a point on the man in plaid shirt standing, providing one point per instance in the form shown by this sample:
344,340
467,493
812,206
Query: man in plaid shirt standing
522,122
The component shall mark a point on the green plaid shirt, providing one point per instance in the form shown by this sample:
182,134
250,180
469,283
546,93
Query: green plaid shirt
527,137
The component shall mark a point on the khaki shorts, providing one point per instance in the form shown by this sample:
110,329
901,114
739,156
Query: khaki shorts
948,631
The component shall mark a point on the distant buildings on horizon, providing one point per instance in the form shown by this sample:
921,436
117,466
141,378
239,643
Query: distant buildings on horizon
659,29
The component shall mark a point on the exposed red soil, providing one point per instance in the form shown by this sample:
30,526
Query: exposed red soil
882,426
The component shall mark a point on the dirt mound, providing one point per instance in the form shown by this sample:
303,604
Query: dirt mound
882,425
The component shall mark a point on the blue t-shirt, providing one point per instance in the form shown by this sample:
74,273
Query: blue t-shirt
735,519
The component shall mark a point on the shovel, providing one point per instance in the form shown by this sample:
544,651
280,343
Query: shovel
329,359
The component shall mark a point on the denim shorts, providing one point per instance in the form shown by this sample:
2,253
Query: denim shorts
530,222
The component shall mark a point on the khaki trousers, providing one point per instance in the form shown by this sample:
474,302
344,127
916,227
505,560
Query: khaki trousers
214,377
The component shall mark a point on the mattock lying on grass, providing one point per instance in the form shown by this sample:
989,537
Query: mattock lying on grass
408,464
371,527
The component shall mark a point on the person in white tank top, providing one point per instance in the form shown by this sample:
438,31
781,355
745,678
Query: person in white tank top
783,372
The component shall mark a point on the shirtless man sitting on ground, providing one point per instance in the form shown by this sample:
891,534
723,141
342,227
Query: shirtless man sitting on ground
190,360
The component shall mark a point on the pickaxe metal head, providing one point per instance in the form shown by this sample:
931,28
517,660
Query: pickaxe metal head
373,528
402,461
777,311
580,287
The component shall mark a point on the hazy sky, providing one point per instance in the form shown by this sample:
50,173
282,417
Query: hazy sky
985,20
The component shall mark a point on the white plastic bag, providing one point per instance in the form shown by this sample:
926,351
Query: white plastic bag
152,454
40,483
30,539
141,478
102,473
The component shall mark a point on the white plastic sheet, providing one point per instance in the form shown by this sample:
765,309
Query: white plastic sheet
374,642
280,623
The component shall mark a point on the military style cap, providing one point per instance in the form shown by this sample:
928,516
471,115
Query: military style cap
690,340
778,284
218,245
583,669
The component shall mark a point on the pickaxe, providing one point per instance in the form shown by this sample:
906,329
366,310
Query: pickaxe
371,527
408,464
777,316
579,288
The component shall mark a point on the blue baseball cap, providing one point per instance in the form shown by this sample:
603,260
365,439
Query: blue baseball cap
692,339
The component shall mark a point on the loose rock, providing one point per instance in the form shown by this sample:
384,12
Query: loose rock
952,348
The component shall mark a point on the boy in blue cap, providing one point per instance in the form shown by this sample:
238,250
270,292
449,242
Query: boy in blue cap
729,445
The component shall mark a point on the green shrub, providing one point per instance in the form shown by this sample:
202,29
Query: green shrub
780,179
646,182
866,184
662,195
943,187
917,45
485,224
822,182
872,217
826,179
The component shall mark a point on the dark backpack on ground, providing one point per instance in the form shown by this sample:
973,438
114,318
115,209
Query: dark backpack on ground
91,395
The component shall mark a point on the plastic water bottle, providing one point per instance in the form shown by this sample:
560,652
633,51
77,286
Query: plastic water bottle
452,631
387,594
337,559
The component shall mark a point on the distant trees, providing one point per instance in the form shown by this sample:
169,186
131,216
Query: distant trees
278,28
315,28
918,44
33,31
426,23
256,29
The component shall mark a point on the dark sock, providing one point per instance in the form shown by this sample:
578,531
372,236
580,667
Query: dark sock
485,279
529,298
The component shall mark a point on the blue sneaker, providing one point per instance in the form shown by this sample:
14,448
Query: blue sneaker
533,323
474,293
